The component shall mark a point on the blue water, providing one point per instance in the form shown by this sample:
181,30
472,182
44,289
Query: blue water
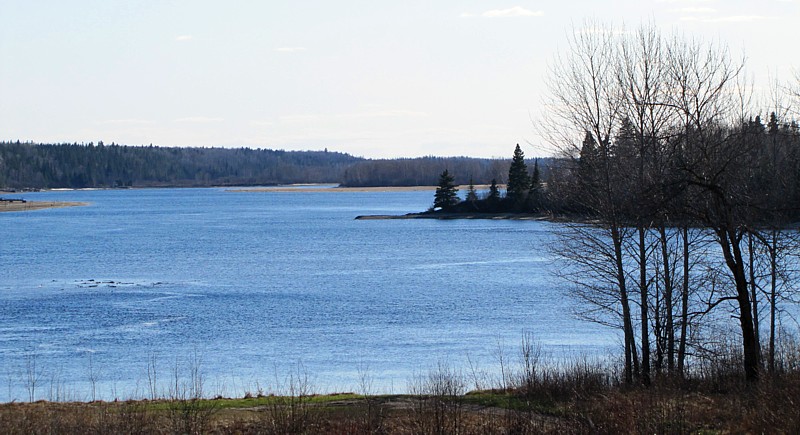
252,286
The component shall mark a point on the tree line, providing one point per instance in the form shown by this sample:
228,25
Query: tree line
684,200
29,165
523,190
26,165
423,171
690,197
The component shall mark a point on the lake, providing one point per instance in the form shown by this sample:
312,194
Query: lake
249,287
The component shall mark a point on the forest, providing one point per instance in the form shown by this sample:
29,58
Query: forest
694,197
682,203
38,166
26,165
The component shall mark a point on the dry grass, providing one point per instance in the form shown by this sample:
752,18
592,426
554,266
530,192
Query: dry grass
574,401
534,397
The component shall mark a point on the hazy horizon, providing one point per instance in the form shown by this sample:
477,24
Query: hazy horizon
375,80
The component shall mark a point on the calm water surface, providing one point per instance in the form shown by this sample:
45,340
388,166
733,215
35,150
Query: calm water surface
255,284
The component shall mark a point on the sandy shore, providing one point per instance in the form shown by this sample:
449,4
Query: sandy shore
36,205
305,188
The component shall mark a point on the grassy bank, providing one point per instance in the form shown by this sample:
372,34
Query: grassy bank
577,398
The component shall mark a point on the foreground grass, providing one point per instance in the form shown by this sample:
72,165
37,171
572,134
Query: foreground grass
569,404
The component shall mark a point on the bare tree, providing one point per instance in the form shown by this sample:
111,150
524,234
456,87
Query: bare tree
665,141
585,104
643,80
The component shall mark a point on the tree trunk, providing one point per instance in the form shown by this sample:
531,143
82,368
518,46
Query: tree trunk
773,291
631,360
684,303
729,242
753,287
658,328
644,306
668,290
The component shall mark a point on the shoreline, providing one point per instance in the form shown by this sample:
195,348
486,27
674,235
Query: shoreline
37,205
298,187
310,188
314,188
454,216
510,216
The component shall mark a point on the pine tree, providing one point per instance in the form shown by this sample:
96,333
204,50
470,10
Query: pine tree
518,180
534,199
772,126
587,164
535,177
494,193
446,193
472,196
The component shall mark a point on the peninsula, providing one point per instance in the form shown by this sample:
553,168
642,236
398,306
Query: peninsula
22,205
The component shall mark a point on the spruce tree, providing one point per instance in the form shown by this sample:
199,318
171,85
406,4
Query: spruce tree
535,177
494,194
518,180
587,164
446,193
533,201
772,125
493,200
472,196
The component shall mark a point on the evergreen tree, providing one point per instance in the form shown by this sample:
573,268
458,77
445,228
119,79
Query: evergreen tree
472,196
587,164
494,193
446,193
518,180
534,199
535,178
772,126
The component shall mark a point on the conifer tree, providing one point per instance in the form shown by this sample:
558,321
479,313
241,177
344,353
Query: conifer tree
535,177
772,126
472,196
587,164
494,194
518,180
446,193
533,201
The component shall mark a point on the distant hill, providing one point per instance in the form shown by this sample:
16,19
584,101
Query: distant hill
41,166
425,171
29,165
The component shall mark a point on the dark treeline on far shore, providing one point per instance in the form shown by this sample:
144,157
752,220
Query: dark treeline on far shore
424,171
26,165
29,165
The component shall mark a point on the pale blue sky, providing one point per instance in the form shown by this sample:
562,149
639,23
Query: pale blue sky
372,78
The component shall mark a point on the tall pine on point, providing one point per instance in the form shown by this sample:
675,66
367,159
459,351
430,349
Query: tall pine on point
446,193
518,180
